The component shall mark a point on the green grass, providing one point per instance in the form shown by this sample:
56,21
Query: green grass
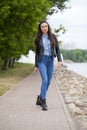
12,76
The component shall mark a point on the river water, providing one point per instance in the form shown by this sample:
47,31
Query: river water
80,68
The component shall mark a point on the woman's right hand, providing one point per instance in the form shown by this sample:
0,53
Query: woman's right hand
35,69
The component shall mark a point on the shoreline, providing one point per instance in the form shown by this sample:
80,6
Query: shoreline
73,88
79,68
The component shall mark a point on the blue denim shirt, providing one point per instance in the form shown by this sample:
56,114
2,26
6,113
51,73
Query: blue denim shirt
46,45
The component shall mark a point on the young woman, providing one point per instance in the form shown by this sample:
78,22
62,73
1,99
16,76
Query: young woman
46,49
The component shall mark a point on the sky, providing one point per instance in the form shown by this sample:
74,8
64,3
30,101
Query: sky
75,22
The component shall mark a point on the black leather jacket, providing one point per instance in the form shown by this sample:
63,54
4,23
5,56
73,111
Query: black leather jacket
55,51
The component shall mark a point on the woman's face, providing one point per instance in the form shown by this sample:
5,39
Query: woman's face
44,28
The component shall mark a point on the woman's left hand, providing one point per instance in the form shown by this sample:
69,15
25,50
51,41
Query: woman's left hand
60,64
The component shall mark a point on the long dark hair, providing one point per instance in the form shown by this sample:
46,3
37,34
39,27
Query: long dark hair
39,33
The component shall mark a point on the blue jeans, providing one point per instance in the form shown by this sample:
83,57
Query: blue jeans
46,67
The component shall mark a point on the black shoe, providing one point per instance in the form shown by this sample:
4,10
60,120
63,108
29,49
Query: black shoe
44,105
39,101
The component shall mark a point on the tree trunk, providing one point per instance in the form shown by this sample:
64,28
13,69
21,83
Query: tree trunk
13,62
5,65
9,65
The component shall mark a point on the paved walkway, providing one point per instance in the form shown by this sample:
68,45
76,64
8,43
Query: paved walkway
18,110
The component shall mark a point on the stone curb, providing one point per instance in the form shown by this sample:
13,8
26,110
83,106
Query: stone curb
68,116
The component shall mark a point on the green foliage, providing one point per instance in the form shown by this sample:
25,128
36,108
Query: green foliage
76,55
59,5
18,20
60,30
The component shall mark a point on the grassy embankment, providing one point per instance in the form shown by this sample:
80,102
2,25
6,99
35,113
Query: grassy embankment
12,76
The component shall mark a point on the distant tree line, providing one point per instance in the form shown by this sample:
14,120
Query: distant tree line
77,55
18,25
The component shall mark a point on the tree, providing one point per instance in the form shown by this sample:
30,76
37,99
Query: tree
17,25
76,55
